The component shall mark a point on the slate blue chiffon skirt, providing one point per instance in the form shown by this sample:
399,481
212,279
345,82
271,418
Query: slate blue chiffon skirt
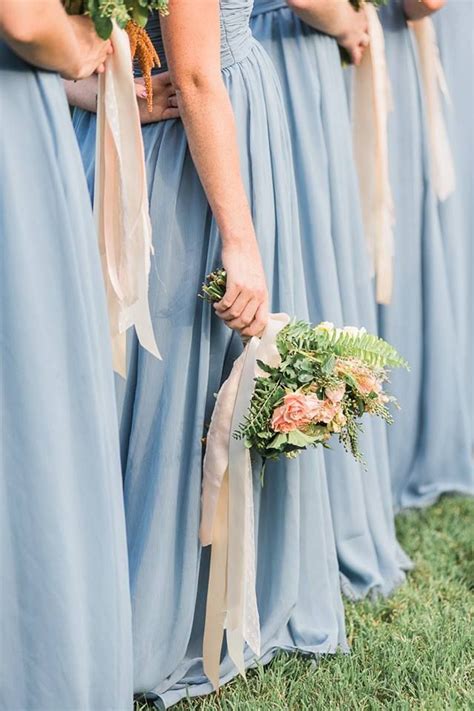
337,276
454,28
65,640
166,405
430,443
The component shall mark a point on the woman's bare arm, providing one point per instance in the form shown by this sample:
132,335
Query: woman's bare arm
83,94
336,18
191,34
41,33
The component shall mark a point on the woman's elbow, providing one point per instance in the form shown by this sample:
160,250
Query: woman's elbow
193,82
17,28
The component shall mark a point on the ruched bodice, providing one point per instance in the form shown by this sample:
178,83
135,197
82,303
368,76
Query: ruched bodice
236,38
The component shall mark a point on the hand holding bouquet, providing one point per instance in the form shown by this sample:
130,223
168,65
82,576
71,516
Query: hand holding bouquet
292,388
131,15
327,378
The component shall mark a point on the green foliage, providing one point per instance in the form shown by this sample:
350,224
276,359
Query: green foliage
103,12
357,4
412,651
314,362
214,287
371,350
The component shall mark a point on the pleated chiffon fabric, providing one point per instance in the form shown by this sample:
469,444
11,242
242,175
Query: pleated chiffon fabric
166,406
430,445
454,27
338,282
65,617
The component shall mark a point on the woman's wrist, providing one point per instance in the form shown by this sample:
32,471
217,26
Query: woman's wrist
418,9
237,233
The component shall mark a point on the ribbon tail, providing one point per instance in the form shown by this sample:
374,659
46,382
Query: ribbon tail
216,594
372,103
434,83
232,597
121,204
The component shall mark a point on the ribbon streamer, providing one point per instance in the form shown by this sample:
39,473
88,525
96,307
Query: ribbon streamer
121,204
371,104
227,519
434,83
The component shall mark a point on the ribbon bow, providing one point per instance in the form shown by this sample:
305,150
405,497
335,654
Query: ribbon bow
227,520
372,102
434,82
121,204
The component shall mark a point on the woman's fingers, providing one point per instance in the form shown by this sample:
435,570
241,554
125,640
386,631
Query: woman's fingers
365,40
357,53
259,323
237,307
170,114
246,317
173,101
228,299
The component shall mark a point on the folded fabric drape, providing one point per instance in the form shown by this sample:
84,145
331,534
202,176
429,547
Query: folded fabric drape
121,204
371,104
227,520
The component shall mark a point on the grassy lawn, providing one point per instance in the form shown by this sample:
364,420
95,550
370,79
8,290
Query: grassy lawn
412,651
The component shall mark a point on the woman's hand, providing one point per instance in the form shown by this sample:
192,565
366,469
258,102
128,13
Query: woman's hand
92,51
43,34
418,9
336,18
244,306
165,105
354,37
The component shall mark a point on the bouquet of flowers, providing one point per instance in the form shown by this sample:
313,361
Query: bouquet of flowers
131,15
104,12
294,387
327,379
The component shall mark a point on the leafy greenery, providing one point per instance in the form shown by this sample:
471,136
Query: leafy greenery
410,652
328,378
103,12
357,4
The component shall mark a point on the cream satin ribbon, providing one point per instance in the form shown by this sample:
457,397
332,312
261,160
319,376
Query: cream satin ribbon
434,83
121,204
227,519
371,104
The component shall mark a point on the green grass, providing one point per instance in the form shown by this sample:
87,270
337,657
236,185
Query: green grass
412,651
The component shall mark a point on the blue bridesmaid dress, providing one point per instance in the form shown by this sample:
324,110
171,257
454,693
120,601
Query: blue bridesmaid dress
65,640
337,276
430,443
167,404
454,28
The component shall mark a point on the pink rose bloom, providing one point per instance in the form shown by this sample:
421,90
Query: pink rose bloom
336,394
367,383
292,415
327,411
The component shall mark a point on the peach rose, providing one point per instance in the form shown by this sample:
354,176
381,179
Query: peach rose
367,383
327,411
336,394
297,411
